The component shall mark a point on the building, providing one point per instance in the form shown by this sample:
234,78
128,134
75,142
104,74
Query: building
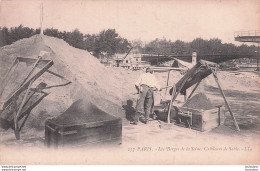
132,60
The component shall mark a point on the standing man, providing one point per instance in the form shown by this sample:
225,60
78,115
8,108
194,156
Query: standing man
145,86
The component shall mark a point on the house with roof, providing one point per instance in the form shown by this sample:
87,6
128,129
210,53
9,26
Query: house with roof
131,60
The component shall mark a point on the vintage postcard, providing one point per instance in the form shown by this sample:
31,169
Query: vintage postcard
129,82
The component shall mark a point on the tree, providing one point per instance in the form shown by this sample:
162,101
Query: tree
214,46
8,36
53,33
138,44
4,35
199,45
74,39
158,46
89,42
178,47
108,42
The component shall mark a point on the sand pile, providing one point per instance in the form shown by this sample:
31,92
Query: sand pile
199,101
237,80
82,112
104,87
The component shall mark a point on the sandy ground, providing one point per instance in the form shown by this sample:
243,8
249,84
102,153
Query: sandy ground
155,143
159,143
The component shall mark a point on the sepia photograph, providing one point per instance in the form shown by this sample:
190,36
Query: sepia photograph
134,82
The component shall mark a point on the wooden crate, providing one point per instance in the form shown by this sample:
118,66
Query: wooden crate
202,120
83,124
162,114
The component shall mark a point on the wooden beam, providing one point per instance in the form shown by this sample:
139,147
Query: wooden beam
196,86
173,98
57,75
16,126
33,105
10,71
170,105
167,83
33,68
26,84
257,64
28,111
167,68
26,117
33,60
224,97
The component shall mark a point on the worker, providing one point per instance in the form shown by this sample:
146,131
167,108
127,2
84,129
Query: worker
129,110
145,86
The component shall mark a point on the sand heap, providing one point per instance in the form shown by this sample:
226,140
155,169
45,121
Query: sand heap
104,87
199,101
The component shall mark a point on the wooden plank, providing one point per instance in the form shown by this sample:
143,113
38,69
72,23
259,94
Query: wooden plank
26,113
173,98
30,61
204,120
7,113
16,126
167,83
4,83
30,73
167,69
25,119
170,106
196,86
33,60
57,75
26,84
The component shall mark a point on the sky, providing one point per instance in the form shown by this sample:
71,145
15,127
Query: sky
143,20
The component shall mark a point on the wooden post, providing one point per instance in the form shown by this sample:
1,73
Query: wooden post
224,97
10,71
24,86
170,105
196,86
185,98
219,119
41,18
33,68
257,64
16,116
173,98
167,83
26,117
257,57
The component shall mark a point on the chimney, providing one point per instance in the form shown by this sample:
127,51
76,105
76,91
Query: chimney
194,58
